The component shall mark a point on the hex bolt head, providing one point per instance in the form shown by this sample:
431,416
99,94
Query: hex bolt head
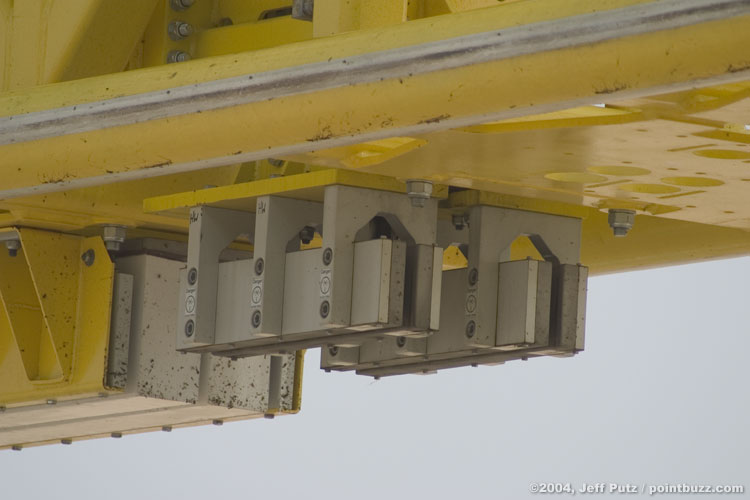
471,328
401,341
255,319
307,234
327,256
325,309
218,422
66,441
176,56
418,191
192,276
166,428
621,221
116,435
179,30
13,246
260,265
113,236
180,5
333,350
189,328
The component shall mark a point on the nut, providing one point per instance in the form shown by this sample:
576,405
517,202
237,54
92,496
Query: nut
176,56
181,4
621,221
13,246
178,30
113,236
419,191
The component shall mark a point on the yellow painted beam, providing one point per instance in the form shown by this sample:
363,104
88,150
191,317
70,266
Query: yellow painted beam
48,41
463,95
54,318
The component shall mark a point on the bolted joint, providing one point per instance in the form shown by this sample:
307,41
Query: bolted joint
178,30
460,221
113,236
13,246
418,191
176,56
180,5
307,234
303,10
621,221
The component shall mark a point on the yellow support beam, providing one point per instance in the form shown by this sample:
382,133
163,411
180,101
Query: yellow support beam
183,131
45,41
54,317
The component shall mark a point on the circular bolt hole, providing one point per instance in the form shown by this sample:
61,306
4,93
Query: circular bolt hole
189,328
473,276
192,275
401,341
325,308
88,257
333,350
259,266
471,329
256,319
327,256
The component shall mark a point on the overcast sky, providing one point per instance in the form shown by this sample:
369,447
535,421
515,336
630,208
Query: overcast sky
660,395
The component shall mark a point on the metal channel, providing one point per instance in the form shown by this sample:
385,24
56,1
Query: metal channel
365,68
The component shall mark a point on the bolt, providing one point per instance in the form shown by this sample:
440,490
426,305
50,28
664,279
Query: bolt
307,234
473,276
303,10
167,428
189,328
471,329
116,435
621,221
259,266
325,308
51,401
16,447
333,350
66,441
256,319
401,341
178,30
418,191
181,4
218,422
192,276
268,416
176,56
88,257
12,246
327,256
459,221
113,236
275,162
475,365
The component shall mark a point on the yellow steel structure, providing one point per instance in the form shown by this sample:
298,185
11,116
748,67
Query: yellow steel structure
654,120
54,318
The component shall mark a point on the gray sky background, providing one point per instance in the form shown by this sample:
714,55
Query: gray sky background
660,395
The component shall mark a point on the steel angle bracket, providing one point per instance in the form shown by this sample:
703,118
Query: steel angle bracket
211,231
55,299
316,296
495,309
